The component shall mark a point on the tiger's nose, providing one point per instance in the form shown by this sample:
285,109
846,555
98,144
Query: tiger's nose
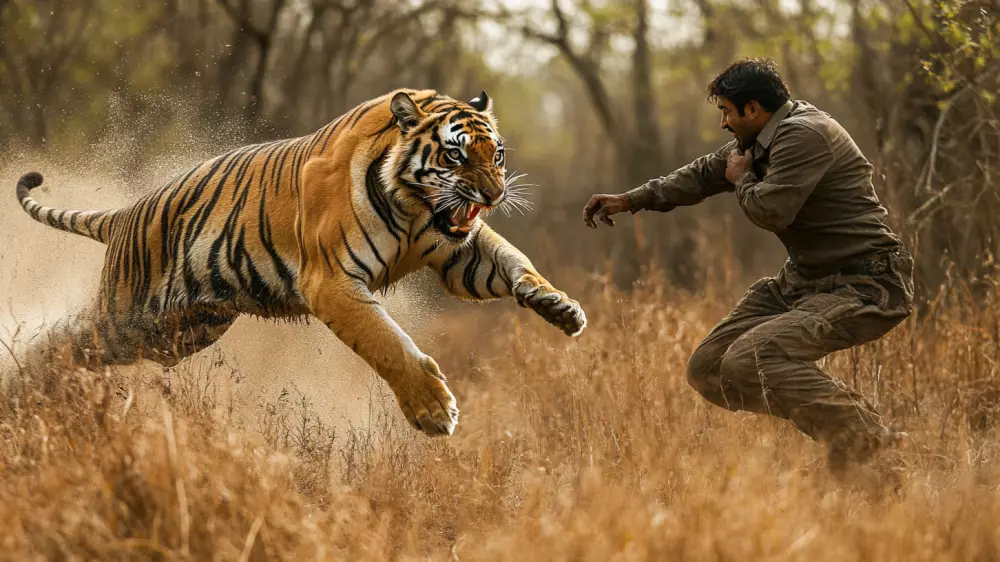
492,192
491,188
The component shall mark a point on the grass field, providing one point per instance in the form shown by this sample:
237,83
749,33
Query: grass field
278,444
588,449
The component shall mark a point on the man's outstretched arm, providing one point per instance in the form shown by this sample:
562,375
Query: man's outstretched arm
688,185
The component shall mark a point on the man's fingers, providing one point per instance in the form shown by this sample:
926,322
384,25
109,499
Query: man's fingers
593,206
599,208
588,219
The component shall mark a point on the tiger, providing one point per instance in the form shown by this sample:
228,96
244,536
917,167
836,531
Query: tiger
315,227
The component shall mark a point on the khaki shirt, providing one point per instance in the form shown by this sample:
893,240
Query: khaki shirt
810,185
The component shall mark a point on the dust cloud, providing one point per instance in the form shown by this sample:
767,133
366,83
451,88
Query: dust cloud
46,274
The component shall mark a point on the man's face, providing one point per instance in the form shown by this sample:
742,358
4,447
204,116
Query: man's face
744,127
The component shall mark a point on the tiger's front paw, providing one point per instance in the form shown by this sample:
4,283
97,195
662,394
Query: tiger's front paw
551,304
426,401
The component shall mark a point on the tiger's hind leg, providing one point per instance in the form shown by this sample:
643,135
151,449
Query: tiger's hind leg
170,340
92,339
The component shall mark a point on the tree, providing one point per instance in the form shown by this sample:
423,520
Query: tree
40,39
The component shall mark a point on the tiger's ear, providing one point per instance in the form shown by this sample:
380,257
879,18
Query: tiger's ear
406,111
483,103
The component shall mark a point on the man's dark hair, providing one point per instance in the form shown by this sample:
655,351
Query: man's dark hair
750,79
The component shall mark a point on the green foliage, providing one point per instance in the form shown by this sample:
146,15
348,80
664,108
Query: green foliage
968,47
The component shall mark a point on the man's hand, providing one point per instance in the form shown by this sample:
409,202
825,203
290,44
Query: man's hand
602,206
738,165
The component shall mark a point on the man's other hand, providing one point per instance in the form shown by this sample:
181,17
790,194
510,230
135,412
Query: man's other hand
738,165
602,206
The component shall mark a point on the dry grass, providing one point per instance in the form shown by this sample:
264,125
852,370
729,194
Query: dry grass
593,449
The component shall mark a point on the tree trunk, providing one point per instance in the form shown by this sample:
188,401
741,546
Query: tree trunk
645,155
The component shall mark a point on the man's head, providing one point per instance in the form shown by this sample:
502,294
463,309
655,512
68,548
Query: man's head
748,92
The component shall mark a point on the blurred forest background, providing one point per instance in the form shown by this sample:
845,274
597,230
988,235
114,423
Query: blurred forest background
593,96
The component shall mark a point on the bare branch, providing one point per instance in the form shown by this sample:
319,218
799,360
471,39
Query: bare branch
394,24
932,159
563,26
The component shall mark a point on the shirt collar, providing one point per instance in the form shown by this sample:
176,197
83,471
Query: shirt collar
767,133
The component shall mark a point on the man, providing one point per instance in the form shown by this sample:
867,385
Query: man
847,281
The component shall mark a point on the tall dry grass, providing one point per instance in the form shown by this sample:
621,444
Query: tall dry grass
587,449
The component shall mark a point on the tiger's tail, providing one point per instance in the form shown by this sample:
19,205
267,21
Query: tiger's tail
92,224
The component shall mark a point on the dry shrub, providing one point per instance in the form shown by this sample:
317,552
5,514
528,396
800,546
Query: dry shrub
586,449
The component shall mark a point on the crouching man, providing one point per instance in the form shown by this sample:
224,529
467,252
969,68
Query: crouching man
847,281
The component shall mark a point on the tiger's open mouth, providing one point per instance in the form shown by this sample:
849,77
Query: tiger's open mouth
458,222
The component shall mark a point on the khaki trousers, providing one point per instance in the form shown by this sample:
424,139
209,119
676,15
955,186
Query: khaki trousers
761,357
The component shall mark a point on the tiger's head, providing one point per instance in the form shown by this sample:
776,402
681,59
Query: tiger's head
450,159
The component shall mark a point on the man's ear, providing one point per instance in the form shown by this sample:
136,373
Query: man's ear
483,103
407,113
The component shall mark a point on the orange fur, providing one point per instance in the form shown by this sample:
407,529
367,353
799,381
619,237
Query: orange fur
313,225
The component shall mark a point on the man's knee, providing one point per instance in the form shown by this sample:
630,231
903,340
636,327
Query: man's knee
741,362
703,368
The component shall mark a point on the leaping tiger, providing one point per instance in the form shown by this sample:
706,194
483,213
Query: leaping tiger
313,225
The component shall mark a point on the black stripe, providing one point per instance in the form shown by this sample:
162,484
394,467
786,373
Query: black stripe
136,243
264,231
430,250
166,216
220,286
423,230
471,268
235,250
503,275
263,171
200,218
87,222
350,274
376,195
426,103
326,257
367,238
259,288
236,255
277,171
385,128
452,262
144,257
357,261
461,115
297,163
333,129
175,259
316,137
364,110
191,196
152,204
493,273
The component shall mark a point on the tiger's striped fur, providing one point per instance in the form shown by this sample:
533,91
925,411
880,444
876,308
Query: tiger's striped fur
313,226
